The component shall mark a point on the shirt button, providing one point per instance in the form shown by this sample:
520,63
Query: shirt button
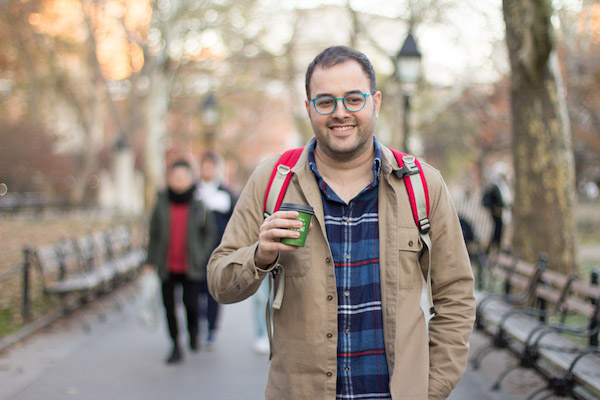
346,369
330,297
347,293
329,335
346,331
347,256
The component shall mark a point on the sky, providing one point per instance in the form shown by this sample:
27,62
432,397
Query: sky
467,46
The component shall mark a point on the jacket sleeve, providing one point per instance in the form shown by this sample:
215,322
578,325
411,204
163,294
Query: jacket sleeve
231,273
208,232
452,287
153,237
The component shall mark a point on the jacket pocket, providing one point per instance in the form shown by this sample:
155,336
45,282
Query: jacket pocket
296,263
409,252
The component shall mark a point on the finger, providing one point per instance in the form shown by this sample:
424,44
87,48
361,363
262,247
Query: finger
286,214
275,235
281,223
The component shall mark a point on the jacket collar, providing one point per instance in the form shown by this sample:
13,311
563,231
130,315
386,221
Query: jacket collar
389,164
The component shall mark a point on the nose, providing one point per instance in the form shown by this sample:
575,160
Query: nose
340,110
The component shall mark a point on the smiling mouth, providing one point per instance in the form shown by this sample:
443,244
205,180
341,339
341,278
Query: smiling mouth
343,128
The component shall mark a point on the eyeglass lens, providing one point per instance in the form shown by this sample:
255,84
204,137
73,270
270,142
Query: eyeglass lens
352,102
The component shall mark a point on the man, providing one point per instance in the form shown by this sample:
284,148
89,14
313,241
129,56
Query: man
180,240
220,200
350,324
497,199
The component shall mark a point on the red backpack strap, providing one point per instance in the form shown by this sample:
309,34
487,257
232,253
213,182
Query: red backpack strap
280,179
418,194
409,166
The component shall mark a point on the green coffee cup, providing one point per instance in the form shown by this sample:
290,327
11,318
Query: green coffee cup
305,214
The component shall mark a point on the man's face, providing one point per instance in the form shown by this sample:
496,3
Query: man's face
342,135
208,170
180,179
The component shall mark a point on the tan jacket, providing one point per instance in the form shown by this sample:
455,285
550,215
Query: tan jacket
305,327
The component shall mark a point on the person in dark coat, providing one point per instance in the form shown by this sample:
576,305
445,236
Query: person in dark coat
181,238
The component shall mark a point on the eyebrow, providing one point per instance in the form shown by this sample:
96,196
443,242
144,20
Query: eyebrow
354,91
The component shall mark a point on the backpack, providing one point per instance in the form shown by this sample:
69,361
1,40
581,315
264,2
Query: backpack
416,186
410,171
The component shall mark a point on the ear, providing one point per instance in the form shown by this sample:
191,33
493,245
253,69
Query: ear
377,102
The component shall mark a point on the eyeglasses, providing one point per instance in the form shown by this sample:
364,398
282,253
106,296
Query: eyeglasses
353,102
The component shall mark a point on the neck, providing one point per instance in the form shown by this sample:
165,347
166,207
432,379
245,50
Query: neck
347,178
345,167
214,182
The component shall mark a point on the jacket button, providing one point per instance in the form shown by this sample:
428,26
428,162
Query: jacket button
330,297
329,335
329,373
410,244
328,260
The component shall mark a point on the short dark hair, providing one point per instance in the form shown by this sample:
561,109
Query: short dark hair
336,55
180,163
210,155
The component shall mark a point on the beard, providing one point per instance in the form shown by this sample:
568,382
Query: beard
344,148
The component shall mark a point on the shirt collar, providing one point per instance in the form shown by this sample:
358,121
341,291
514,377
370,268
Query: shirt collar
376,164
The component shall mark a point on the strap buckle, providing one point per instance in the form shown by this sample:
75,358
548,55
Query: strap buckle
283,169
424,225
275,271
409,167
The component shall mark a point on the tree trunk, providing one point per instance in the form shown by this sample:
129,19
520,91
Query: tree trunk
160,78
157,104
542,148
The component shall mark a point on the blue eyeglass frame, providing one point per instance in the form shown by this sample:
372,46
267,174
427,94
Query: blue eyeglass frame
364,95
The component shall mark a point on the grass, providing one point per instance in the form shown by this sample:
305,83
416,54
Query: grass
6,323
20,231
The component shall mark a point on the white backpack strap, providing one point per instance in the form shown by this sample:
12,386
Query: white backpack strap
411,171
275,189
275,303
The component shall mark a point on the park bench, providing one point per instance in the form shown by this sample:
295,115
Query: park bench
121,253
519,280
78,270
529,319
571,368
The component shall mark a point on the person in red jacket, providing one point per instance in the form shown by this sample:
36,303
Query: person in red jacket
181,237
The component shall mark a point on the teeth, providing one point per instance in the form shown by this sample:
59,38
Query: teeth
341,128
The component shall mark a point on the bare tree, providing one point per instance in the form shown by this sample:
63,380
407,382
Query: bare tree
542,150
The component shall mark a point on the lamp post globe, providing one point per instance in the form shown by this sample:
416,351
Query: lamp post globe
408,70
210,117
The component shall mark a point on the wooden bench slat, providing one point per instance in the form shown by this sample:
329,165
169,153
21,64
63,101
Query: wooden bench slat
553,353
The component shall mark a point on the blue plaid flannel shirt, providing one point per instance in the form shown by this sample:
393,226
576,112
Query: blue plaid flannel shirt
353,234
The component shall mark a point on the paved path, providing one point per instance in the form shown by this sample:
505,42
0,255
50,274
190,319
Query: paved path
119,360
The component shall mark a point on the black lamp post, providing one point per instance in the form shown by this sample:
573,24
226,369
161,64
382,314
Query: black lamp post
210,117
408,68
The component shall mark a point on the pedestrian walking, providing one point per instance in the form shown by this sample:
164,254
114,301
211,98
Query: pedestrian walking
181,236
220,199
350,324
497,199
